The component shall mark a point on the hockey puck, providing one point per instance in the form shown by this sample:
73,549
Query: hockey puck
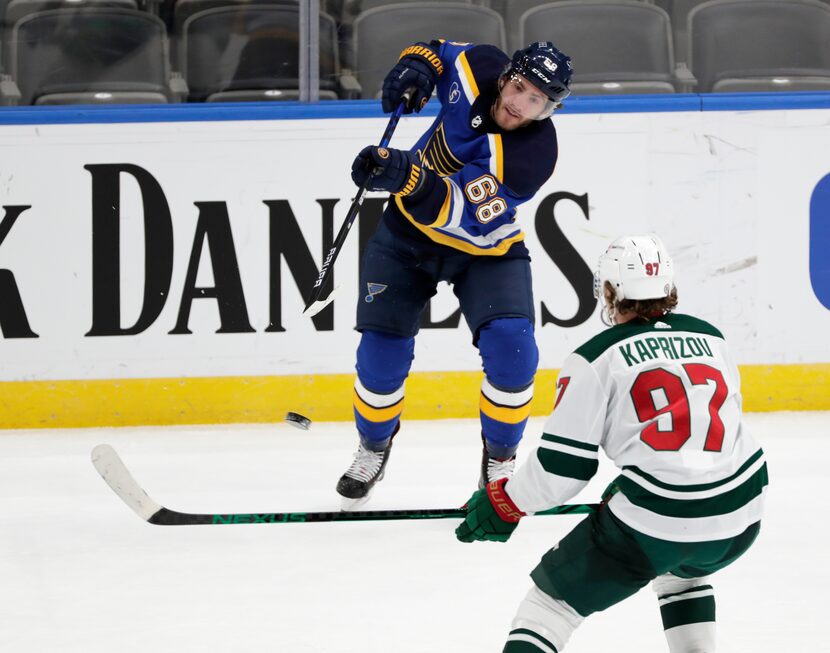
299,421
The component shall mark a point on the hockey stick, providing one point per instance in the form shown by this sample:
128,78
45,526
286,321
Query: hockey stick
315,304
118,477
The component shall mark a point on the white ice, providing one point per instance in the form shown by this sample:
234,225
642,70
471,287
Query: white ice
79,572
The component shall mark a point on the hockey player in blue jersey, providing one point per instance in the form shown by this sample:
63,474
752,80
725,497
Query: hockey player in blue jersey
451,218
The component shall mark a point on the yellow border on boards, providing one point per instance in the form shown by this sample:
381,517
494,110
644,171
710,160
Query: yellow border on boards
240,399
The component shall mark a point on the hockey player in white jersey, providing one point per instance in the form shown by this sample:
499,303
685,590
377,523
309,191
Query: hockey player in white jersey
660,394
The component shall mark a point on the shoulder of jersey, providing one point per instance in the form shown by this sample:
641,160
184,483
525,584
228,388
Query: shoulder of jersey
530,155
672,323
486,61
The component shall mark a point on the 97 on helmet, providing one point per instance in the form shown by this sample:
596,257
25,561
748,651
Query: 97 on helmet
636,267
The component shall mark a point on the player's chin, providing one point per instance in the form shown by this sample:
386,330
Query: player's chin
509,121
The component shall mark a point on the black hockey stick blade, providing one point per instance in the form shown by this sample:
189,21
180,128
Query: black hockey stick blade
315,302
113,470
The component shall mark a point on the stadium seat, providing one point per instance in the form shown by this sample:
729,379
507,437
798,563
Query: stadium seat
617,46
184,9
13,10
351,8
251,52
366,5
404,24
17,9
91,55
678,11
512,12
760,45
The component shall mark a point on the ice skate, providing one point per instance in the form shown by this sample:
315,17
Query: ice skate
355,486
493,469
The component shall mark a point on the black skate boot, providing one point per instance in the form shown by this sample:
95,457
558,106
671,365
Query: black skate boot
493,468
366,470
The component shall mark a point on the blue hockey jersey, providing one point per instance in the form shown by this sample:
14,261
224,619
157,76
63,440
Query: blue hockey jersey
484,172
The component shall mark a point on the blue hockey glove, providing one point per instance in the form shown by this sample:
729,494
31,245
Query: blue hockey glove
418,68
395,171
491,515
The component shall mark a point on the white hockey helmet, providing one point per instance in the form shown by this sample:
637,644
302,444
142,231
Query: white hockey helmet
638,267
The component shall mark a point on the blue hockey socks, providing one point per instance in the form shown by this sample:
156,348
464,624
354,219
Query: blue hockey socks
383,362
509,357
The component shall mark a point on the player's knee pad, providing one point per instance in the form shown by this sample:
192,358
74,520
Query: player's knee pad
383,362
509,356
543,622
687,608
508,352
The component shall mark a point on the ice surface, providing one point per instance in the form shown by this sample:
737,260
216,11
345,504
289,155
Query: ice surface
79,572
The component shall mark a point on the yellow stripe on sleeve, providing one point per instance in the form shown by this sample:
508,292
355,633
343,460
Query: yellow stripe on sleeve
498,155
468,74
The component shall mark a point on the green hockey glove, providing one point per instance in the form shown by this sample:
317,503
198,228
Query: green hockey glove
491,515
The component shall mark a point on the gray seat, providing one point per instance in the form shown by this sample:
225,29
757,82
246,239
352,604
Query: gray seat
404,24
617,46
512,13
366,5
351,8
14,10
184,9
760,45
251,52
89,55
17,9
678,11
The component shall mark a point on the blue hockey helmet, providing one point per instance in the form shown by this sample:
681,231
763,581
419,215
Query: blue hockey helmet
546,67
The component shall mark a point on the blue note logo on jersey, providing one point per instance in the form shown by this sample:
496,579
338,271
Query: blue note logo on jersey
374,289
455,93
820,240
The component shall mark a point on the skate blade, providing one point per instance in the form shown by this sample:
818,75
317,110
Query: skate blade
351,505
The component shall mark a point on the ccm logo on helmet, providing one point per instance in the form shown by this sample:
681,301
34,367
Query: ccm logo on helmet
541,75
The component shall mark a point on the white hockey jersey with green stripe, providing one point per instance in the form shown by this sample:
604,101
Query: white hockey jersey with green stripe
662,398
